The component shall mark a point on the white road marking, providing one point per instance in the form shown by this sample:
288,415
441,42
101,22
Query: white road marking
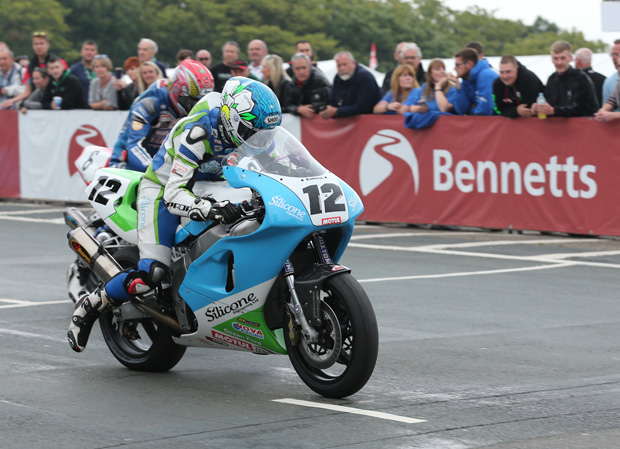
589,254
506,242
411,234
34,211
29,335
355,411
467,273
34,220
543,258
20,303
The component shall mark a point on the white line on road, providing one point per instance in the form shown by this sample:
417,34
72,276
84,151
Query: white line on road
467,273
506,242
355,411
32,211
584,254
29,335
544,258
411,234
20,303
34,220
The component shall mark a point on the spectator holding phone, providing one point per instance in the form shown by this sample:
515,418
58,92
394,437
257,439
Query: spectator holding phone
402,84
432,100
102,95
437,93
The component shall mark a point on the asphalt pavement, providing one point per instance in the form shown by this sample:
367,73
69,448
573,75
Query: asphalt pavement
487,340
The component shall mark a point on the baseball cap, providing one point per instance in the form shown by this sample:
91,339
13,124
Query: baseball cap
239,64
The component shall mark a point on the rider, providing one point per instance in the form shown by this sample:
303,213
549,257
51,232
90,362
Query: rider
150,119
194,149
154,113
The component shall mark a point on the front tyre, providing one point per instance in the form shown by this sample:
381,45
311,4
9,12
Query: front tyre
354,343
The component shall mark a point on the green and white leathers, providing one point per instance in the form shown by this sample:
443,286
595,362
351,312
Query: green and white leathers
192,151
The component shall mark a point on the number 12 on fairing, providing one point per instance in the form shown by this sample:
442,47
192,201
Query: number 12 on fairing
333,192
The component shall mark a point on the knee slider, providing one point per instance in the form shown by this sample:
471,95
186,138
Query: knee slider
141,281
157,273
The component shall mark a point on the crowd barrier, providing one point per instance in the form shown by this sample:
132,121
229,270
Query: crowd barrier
548,175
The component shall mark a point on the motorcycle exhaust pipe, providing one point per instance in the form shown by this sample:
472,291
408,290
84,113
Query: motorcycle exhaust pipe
157,315
74,218
95,256
106,267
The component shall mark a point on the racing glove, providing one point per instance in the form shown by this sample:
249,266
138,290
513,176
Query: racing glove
200,210
224,212
208,209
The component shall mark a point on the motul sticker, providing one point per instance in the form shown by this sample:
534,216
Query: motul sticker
339,268
232,341
178,169
330,221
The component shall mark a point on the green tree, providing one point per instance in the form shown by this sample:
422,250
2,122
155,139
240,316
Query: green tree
116,26
539,43
21,19
353,25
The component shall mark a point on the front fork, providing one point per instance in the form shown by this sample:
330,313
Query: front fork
308,333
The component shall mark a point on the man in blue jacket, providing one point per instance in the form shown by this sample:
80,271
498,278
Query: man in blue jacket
475,93
355,90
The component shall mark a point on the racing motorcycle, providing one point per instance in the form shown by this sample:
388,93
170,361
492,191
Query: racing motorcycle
270,283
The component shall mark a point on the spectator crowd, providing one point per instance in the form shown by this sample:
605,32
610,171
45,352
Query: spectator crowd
473,87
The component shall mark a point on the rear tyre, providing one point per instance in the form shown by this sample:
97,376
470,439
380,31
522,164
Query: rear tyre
354,343
139,344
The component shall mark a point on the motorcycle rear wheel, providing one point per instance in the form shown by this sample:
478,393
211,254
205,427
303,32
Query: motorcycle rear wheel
149,346
359,343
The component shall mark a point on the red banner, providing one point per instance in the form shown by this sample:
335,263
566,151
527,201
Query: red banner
549,175
9,155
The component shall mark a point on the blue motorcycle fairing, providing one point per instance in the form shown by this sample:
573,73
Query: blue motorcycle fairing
255,259
259,256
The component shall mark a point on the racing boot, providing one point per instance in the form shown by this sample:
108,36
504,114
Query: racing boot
86,312
76,281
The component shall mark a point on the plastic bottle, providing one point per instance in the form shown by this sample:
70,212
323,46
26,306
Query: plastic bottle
541,100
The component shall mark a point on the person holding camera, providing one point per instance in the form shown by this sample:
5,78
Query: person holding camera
310,91
102,94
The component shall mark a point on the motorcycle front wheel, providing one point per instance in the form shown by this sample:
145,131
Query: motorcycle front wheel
348,334
140,344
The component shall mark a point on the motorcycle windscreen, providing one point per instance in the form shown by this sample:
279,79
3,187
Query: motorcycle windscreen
275,151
